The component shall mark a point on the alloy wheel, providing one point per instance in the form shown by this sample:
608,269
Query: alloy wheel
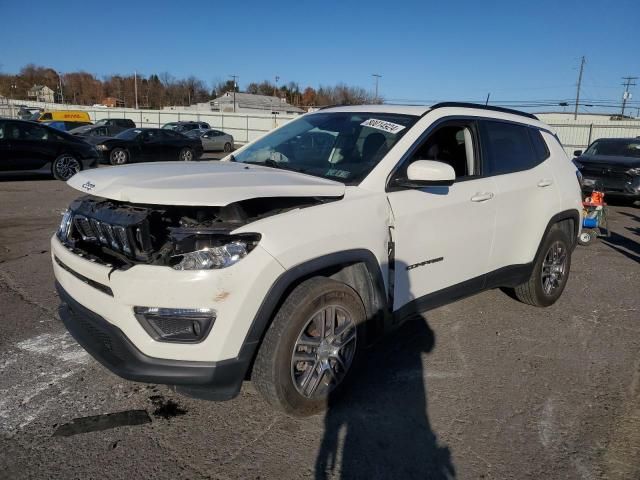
554,267
67,166
119,157
323,352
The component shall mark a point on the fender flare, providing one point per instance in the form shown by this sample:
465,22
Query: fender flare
291,277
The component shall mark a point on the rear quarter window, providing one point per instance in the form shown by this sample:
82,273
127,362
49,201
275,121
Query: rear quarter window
540,147
507,148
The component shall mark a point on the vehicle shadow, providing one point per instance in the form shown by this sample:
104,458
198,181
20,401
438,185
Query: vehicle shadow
624,245
379,428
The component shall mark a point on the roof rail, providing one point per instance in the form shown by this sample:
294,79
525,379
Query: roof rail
483,107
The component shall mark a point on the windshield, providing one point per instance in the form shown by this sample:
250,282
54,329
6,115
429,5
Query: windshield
342,146
615,148
129,134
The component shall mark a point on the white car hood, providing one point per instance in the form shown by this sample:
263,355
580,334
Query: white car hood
205,183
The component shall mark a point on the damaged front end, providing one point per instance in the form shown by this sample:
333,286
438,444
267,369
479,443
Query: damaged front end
120,235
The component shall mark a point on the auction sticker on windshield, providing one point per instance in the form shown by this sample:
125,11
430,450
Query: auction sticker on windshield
383,125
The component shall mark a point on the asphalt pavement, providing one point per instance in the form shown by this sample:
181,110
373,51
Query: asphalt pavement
485,388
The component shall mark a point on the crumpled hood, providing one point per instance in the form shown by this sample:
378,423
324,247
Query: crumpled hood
207,183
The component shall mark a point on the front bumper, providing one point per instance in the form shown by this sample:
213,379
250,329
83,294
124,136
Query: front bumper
234,293
618,185
111,347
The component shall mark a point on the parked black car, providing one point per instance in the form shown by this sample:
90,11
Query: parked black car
613,165
107,127
186,126
149,145
28,147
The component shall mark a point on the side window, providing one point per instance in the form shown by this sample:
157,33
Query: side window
33,132
171,134
508,148
451,143
539,145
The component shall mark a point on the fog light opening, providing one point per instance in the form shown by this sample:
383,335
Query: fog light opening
182,325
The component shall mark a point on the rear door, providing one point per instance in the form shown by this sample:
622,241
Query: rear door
526,193
30,146
173,142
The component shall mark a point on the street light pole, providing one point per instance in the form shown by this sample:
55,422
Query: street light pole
377,77
235,85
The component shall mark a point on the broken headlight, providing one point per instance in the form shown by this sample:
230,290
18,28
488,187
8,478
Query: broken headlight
212,251
65,226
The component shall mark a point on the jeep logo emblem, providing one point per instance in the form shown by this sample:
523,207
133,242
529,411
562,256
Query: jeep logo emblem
88,186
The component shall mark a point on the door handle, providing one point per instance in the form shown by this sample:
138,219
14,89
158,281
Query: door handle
482,197
545,182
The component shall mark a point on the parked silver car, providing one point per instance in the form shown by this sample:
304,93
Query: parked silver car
212,139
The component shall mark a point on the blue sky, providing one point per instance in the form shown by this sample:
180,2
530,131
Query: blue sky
424,50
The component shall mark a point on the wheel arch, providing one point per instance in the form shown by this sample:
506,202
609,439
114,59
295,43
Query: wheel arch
568,221
356,268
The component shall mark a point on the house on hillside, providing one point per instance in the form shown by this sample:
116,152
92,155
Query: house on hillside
112,102
41,93
250,103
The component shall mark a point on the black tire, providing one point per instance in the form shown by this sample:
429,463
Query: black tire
227,147
274,369
186,155
65,166
533,292
119,156
587,237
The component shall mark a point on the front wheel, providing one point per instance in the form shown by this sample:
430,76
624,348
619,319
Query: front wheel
65,166
185,155
550,271
312,347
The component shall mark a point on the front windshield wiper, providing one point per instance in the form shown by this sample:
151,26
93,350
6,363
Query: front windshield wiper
273,164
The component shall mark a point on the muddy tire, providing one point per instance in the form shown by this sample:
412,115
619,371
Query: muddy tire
311,349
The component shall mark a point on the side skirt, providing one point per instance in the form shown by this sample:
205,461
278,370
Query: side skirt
510,277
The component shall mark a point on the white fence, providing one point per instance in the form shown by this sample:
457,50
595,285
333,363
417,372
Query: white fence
246,127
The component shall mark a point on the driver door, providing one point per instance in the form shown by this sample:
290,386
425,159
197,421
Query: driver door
443,235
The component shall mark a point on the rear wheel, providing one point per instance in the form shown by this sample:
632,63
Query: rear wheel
550,271
185,155
312,347
65,166
227,147
119,156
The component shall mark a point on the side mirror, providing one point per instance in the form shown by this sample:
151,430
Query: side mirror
426,173
577,153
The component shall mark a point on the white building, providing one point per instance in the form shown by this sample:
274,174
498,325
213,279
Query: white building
250,103
41,93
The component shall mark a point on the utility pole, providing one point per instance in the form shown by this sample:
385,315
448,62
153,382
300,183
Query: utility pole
135,86
60,86
275,89
575,112
235,85
377,77
487,101
628,82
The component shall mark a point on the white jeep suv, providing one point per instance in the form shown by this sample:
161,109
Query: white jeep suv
282,263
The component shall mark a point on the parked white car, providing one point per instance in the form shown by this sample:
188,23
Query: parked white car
282,263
